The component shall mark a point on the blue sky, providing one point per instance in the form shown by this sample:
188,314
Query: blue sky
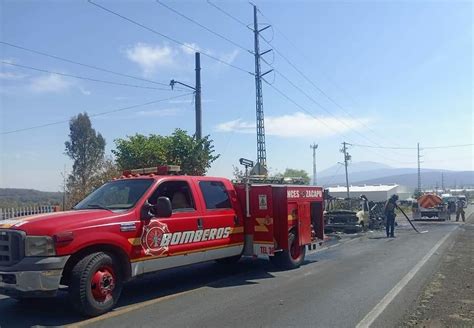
402,70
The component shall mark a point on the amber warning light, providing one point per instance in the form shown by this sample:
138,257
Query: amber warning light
158,170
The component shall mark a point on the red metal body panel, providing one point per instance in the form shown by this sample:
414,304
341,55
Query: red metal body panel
101,227
275,209
304,223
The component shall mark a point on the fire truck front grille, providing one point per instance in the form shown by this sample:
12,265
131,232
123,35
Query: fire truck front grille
11,247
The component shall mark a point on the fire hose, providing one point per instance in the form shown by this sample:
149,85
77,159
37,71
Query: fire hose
411,223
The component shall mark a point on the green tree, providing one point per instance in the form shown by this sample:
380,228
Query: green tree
294,173
193,156
86,148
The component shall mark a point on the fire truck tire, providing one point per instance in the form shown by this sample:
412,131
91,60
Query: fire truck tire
96,284
292,258
229,260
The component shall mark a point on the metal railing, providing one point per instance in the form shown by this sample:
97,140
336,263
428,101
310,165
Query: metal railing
10,213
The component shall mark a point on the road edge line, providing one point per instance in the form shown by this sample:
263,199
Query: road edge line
129,308
390,296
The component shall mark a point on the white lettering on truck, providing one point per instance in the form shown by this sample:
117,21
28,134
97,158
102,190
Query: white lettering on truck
194,236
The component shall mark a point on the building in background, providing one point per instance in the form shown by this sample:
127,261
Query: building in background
376,193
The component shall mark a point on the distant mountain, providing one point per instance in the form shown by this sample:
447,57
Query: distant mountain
355,167
376,173
12,197
428,179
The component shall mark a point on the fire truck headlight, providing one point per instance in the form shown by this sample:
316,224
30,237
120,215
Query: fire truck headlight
39,246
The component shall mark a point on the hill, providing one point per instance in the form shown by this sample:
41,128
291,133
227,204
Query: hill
375,173
12,197
428,179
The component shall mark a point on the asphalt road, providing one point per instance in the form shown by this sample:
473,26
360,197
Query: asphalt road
336,287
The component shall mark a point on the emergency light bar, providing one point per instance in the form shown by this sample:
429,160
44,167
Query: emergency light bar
158,170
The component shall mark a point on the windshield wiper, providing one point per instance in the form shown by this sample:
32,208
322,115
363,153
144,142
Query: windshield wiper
98,206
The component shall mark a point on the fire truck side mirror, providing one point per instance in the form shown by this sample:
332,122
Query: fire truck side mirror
163,207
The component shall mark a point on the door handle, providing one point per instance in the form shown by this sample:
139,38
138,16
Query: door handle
236,220
199,224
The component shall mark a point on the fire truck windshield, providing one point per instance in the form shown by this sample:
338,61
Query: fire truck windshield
115,195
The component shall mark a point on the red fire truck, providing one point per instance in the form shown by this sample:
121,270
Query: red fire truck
150,220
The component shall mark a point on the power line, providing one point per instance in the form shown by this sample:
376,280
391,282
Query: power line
317,119
289,62
450,146
169,38
321,106
333,176
203,26
83,77
228,14
431,147
309,80
381,147
81,64
97,114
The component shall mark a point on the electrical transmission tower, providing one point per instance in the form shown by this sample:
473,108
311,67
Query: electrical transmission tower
347,158
261,166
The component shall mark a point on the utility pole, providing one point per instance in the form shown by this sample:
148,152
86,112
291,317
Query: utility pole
314,146
347,158
197,100
442,181
261,166
197,94
419,169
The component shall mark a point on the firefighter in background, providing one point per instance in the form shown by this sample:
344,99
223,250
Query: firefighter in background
389,211
460,210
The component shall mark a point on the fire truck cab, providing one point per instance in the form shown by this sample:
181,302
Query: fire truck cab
148,220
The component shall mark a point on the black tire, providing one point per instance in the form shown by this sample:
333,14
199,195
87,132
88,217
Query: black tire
229,260
288,260
82,287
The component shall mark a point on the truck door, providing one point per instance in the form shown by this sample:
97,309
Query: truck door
223,230
174,241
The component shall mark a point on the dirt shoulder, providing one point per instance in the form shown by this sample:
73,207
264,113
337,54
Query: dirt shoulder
447,300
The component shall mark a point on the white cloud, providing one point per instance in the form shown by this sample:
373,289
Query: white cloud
190,48
11,76
231,56
49,83
295,125
85,92
7,60
151,57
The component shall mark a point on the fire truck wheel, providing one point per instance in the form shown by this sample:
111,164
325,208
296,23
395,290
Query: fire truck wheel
96,284
229,260
292,258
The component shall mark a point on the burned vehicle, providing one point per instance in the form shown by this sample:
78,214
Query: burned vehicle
352,215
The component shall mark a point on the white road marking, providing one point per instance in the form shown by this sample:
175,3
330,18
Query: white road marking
380,307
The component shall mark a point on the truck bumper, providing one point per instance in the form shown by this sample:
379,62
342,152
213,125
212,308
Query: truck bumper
32,277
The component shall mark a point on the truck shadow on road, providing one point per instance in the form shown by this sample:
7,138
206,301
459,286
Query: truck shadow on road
58,311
